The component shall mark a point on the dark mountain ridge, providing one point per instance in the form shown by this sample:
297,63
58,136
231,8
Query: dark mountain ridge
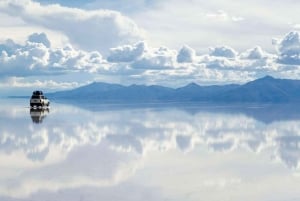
263,90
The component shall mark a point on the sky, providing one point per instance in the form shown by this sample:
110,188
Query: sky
57,45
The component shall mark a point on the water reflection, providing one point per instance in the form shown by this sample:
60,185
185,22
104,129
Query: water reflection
38,114
147,154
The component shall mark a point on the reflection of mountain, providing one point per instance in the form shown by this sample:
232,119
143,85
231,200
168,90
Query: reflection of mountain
264,90
38,114
265,113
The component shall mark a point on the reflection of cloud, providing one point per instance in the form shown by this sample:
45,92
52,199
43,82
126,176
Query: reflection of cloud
156,130
183,142
124,191
93,148
125,143
96,166
289,150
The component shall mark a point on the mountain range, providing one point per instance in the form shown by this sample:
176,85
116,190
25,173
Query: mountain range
263,90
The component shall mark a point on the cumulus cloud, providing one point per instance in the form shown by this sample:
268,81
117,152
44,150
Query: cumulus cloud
127,53
186,55
27,60
163,65
69,58
289,48
223,51
254,62
140,56
254,53
157,58
37,57
90,30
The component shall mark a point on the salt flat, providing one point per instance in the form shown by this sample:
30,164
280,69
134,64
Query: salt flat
173,152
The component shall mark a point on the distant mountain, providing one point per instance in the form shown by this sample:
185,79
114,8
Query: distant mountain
195,92
266,89
263,90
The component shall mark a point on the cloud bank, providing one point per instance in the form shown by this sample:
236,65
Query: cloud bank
143,64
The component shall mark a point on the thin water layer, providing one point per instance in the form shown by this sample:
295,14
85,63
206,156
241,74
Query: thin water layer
176,152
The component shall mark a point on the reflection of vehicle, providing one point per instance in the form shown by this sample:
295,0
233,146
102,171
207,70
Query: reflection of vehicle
39,100
38,114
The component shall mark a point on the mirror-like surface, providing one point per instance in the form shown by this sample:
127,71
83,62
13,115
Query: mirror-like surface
149,153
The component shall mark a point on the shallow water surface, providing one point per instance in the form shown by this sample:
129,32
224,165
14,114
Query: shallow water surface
169,152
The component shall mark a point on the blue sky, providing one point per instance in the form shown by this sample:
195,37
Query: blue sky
55,45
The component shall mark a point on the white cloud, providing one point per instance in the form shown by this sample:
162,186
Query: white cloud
124,6
156,58
140,56
196,22
186,55
90,30
223,51
217,22
127,53
220,14
28,60
250,61
289,48
35,58
223,16
254,53
69,58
